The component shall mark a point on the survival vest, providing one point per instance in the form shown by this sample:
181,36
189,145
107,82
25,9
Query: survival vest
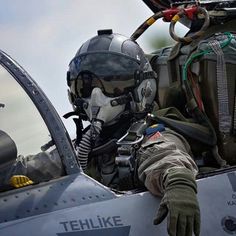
198,81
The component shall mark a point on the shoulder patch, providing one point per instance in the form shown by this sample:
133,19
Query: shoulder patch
155,128
155,136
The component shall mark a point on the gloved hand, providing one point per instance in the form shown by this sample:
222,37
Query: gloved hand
180,204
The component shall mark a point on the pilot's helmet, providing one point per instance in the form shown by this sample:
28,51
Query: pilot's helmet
110,75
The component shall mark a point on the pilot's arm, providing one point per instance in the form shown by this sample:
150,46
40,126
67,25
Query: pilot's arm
41,167
167,169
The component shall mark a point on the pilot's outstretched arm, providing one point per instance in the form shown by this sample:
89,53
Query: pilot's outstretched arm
167,169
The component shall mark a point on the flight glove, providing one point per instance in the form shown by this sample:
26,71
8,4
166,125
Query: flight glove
180,204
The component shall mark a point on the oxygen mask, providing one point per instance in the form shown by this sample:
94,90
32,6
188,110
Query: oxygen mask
100,108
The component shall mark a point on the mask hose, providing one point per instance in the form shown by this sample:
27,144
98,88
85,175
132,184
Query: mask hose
87,142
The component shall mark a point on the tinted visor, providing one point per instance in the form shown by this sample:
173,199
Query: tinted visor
112,73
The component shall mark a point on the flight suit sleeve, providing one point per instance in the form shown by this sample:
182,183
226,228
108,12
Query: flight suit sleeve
41,167
158,154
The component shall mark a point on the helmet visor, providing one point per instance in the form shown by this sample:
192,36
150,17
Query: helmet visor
113,73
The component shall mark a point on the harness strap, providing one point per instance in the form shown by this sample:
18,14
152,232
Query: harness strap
222,88
187,127
126,159
234,114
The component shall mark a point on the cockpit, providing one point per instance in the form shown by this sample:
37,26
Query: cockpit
27,147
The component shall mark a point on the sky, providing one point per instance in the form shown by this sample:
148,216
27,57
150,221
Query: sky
43,36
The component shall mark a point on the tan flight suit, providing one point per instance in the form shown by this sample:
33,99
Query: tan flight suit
158,154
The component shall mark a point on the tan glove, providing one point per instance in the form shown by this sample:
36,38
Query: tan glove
180,204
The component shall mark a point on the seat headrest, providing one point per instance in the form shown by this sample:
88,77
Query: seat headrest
8,150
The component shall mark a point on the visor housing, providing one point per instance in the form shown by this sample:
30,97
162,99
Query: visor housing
113,73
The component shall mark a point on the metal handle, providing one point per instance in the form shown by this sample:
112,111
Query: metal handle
122,141
184,12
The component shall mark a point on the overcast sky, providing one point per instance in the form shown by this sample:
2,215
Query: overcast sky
43,36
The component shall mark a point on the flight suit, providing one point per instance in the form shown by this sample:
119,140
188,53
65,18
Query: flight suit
159,151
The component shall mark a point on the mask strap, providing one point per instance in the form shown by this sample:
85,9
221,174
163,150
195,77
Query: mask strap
121,100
